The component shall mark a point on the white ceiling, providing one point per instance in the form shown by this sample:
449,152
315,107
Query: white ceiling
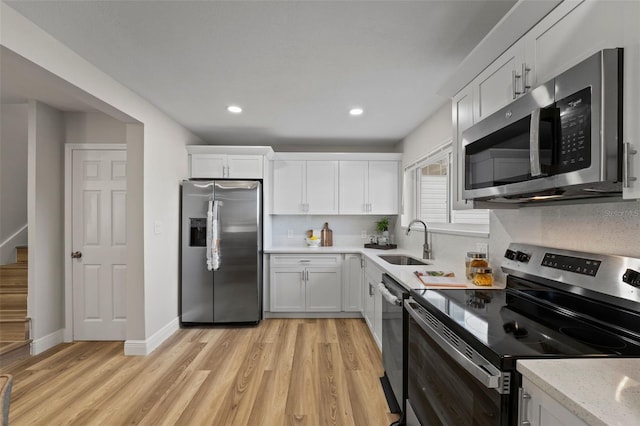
296,67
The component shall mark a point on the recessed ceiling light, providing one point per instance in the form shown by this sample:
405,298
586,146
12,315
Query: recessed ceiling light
356,111
234,109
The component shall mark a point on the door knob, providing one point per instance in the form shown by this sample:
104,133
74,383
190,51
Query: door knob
76,255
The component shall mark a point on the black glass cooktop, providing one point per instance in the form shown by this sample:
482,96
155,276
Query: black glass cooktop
531,321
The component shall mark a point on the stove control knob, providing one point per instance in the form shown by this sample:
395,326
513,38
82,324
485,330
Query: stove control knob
510,254
631,277
522,257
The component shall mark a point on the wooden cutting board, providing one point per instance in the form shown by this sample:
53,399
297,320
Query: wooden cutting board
438,281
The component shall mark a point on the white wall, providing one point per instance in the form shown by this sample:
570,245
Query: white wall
46,224
164,164
430,134
13,177
93,127
135,231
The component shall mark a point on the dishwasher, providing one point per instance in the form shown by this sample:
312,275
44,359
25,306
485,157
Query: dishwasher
394,340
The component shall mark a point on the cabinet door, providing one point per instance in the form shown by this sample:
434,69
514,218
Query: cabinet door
208,165
245,166
631,107
377,316
287,288
289,187
354,186
324,289
383,187
462,116
572,32
368,295
352,283
500,83
540,409
322,187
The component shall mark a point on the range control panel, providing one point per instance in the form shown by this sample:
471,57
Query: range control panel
571,264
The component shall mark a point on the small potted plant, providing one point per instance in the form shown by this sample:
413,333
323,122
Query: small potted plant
383,226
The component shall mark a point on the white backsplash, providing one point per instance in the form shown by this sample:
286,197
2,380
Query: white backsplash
448,248
347,230
610,228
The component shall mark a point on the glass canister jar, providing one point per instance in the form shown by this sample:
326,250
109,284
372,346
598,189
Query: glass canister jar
473,261
483,277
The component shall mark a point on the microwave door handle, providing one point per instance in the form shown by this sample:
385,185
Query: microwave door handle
534,144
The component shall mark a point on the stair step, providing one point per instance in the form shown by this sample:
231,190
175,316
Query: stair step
14,275
15,314
14,351
14,329
13,301
22,254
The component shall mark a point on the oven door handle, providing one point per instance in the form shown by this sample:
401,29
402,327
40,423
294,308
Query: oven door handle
388,296
482,373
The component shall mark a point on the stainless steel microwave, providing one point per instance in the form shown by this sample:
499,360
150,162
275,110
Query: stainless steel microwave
561,140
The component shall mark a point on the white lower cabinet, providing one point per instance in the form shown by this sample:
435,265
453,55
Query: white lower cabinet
538,408
306,283
372,301
352,283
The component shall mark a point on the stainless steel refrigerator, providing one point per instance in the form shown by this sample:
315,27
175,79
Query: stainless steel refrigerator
221,256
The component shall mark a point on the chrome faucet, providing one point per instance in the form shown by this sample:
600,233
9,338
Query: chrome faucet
426,252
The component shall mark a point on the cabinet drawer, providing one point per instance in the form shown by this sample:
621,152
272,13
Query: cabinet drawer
305,260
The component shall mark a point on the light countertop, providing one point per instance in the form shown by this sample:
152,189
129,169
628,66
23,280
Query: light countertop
600,391
403,274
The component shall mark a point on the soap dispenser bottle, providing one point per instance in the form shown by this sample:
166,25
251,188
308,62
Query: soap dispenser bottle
326,236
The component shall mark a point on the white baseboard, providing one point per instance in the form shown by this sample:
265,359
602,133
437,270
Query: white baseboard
312,315
47,342
145,347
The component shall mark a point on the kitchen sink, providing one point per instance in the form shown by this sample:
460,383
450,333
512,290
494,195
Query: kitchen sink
399,259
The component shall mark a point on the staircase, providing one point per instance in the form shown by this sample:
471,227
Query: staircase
15,342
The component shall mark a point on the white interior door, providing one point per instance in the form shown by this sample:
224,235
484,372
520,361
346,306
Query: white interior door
99,266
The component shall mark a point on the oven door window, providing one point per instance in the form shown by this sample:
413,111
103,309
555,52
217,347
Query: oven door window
441,392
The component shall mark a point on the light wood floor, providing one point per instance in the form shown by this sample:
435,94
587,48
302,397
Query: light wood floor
283,372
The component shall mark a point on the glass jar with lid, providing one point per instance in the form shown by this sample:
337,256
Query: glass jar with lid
473,261
483,277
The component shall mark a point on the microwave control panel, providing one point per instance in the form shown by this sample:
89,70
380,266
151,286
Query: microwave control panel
574,150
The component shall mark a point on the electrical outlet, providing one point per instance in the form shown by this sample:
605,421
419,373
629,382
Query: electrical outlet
290,233
363,235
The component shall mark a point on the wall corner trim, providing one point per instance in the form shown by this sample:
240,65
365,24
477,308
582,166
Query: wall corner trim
47,342
145,347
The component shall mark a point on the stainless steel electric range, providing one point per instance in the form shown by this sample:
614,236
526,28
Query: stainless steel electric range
463,344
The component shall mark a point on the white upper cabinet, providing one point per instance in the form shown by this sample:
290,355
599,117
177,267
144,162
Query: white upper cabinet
289,186
568,34
208,165
571,33
305,187
226,166
322,187
354,187
462,115
227,162
369,187
503,81
336,183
